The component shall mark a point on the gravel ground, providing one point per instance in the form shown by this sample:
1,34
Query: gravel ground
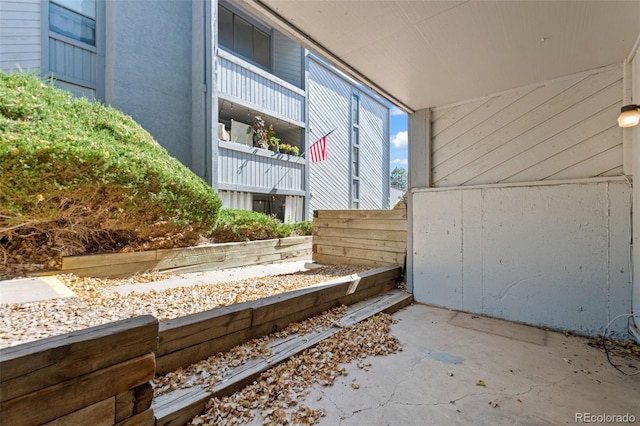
97,304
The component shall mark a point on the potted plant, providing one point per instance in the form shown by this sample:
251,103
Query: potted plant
274,142
260,136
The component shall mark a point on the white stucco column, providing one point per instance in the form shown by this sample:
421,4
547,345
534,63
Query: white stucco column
419,174
633,136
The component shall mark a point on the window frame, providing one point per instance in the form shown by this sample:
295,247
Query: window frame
70,38
255,27
355,154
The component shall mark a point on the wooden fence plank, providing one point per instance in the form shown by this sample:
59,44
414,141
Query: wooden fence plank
36,365
280,305
146,418
395,214
124,405
108,259
100,413
325,259
374,255
193,329
392,246
370,224
143,397
290,241
66,397
235,262
184,357
111,271
361,233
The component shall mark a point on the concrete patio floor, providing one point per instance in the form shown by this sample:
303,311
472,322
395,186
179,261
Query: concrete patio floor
532,377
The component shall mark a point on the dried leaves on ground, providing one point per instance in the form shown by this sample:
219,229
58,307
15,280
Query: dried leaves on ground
278,396
98,303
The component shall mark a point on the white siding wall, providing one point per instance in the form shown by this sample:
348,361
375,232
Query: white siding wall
374,154
20,36
561,129
330,108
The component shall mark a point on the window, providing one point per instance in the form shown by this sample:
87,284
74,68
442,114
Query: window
74,19
244,38
355,151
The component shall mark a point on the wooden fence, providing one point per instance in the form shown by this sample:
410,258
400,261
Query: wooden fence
182,260
360,237
99,375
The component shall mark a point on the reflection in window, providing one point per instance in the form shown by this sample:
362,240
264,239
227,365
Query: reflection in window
71,23
244,38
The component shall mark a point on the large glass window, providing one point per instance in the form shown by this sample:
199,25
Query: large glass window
244,38
74,19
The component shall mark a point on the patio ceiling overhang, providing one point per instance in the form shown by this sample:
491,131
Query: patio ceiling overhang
421,54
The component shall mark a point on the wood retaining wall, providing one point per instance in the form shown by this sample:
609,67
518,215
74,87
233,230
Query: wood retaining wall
192,338
360,237
182,260
102,373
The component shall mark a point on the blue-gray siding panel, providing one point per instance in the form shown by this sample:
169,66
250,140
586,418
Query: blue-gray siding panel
243,168
241,82
72,63
20,35
287,59
148,68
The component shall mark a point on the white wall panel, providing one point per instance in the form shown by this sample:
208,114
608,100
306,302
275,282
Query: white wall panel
548,255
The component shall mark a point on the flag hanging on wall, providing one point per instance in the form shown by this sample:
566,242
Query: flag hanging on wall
318,151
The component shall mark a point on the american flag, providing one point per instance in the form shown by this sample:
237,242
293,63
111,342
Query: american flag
318,151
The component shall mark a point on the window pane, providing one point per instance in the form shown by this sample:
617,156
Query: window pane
356,189
243,37
261,48
356,162
71,24
85,7
225,27
355,109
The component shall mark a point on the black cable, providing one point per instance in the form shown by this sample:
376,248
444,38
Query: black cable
606,351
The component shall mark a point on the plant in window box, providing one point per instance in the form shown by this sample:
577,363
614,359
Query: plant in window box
284,148
274,142
260,136
294,151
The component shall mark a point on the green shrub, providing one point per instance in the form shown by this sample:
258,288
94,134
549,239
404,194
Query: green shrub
302,228
243,225
78,177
